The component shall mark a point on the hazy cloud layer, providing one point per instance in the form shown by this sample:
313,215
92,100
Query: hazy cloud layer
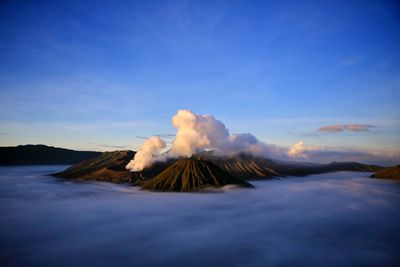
330,220
346,127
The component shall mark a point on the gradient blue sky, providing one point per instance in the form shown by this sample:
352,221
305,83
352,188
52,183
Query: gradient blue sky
89,75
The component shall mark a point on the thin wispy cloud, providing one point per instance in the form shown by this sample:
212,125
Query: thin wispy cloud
142,137
166,135
111,146
346,127
163,135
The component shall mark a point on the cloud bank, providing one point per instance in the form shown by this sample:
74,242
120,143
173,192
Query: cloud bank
346,127
323,154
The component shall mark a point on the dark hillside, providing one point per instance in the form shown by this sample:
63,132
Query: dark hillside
388,173
109,166
42,155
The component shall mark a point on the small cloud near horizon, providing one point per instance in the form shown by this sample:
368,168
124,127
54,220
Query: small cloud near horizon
346,127
111,146
164,135
107,145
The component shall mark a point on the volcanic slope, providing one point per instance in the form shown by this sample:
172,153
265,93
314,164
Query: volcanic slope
244,166
188,175
388,173
109,167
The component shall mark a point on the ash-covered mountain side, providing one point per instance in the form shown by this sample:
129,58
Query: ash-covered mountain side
243,165
251,167
388,173
108,167
189,175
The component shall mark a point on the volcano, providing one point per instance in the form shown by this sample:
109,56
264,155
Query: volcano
188,175
108,167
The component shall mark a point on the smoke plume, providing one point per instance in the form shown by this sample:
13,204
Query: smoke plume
195,133
298,151
150,149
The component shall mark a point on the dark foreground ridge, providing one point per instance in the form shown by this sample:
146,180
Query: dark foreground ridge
188,175
42,155
388,173
108,167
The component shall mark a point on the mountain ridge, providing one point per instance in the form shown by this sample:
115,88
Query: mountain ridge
42,155
109,167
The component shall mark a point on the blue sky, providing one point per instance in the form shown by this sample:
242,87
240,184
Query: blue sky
90,75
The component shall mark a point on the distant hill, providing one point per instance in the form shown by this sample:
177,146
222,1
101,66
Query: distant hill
291,169
388,173
42,155
187,175
109,166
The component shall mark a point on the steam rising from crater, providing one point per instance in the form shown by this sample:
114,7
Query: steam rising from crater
150,149
297,150
196,132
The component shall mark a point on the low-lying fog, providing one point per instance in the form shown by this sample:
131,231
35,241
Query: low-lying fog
337,219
